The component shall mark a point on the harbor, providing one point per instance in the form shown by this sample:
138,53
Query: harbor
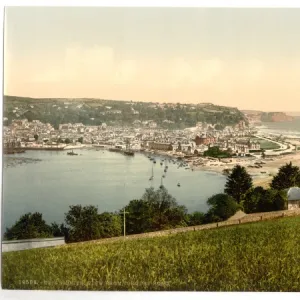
106,179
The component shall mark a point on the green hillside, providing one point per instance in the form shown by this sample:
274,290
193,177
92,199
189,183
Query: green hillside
112,112
262,256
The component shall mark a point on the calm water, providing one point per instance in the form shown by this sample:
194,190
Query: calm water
291,128
54,181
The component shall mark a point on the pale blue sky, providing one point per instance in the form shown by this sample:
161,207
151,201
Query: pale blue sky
245,57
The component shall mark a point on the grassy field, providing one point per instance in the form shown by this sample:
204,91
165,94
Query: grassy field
267,145
262,256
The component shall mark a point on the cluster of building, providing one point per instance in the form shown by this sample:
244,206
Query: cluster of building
188,141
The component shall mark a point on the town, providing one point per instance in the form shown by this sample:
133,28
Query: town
143,136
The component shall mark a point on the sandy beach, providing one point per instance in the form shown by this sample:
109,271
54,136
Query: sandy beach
262,175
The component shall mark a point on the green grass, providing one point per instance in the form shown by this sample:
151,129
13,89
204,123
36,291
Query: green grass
262,256
267,145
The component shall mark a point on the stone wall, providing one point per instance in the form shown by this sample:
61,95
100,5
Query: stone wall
250,218
17,245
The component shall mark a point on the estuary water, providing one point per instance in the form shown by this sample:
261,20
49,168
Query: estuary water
50,181
288,128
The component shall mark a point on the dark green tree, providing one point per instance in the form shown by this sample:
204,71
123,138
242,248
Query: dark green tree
80,140
55,228
83,223
221,207
110,225
287,176
254,199
138,217
157,210
67,141
238,183
216,152
36,137
196,218
163,208
29,226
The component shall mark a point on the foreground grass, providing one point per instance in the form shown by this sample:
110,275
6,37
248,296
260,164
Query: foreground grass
262,256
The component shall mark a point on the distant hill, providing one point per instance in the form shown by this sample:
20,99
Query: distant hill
91,111
268,116
293,113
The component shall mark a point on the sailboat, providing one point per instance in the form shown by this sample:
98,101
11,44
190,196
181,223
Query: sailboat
161,183
151,178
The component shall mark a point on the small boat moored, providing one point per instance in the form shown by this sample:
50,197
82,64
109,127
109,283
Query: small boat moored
72,153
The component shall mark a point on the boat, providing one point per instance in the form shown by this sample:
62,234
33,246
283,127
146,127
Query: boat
128,151
72,153
161,163
115,149
154,161
161,183
164,176
178,184
152,175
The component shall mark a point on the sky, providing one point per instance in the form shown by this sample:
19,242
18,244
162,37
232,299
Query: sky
242,57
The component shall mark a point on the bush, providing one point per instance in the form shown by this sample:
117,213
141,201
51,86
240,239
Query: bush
222,207
29,226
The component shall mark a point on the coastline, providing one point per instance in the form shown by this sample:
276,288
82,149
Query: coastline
261,176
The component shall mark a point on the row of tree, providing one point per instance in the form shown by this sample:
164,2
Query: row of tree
158,210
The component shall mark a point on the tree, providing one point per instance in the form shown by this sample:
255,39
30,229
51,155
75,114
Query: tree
280,200
164,210
110,225
238,183
261,200
156,210
83,223
222,207
196,218
253,200
60,230
29,226
287,176
36,137
216,152
80,140
138,217
67,141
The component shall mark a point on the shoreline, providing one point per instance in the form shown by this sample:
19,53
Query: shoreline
261,176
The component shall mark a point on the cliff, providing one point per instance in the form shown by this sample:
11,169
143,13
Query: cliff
259,116
276,117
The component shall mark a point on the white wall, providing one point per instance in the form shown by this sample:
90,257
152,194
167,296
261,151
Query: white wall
17,245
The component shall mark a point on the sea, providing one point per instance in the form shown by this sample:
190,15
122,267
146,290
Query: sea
50,182
290,129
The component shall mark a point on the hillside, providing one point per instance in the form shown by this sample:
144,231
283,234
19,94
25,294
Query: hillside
267,116
118,113
261,256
